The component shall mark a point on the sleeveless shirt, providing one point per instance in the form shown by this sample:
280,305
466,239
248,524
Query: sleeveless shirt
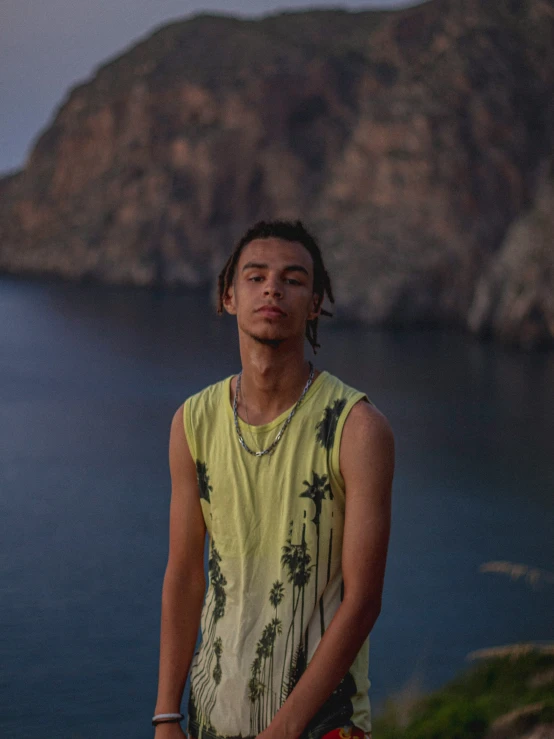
275,526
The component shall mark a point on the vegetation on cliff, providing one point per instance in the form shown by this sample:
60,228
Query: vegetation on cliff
501,698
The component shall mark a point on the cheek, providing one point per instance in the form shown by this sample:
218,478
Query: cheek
244,295
247,296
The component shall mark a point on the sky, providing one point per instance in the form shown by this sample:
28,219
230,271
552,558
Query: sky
48,46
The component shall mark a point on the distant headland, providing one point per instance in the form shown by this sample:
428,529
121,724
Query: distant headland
417,144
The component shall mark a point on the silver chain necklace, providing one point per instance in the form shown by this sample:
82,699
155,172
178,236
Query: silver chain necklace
288,419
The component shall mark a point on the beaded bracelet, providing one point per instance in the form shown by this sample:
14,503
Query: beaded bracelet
167,718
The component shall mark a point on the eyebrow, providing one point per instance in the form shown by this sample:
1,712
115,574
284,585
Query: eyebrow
288,268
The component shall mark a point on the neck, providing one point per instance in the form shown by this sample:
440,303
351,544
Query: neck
273,378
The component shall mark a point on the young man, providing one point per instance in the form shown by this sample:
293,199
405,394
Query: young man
289,471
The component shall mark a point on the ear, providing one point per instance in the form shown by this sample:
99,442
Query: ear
229,301
315,309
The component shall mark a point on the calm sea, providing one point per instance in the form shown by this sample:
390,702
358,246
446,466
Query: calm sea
89,380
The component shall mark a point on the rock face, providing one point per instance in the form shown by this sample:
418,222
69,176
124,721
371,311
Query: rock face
514,296
416,144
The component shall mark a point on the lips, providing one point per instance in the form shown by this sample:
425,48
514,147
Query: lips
271,311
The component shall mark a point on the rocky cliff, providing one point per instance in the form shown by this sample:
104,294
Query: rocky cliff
416,144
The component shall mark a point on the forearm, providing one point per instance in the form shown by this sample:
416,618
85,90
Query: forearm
180,620
332,659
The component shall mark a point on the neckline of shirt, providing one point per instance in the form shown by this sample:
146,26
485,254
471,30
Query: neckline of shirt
312,390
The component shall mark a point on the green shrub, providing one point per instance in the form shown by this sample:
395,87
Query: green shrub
466,706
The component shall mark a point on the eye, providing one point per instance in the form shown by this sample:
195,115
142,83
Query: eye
255,278
292,281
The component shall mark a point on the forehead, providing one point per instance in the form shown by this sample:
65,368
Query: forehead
276,253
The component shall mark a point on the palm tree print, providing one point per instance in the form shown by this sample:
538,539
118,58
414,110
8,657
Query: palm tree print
215,607
260,685
317,491
203,480
255,691
276,596
275,631
296,559
327,427
216,674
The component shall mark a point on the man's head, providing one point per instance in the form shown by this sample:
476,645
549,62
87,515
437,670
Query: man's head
286,259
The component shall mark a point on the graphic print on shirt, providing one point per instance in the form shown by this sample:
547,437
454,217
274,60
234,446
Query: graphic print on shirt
296,559
316,491
208,676
260,686
203,480
327,427
280,573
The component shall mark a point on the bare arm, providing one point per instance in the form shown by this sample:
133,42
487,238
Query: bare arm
184,581
367,465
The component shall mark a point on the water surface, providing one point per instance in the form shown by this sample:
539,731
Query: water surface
89,380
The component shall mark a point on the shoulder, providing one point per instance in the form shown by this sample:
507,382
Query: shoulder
335,383
194,414
209,398
367,439
210,391
366,424
364,418
336,389
362,406
180,456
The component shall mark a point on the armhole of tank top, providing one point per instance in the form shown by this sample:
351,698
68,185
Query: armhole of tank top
335,452
187,423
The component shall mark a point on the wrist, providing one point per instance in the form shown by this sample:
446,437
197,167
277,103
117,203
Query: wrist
285,725
163,708
162,719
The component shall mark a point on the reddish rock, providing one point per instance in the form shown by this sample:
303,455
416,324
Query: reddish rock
413,142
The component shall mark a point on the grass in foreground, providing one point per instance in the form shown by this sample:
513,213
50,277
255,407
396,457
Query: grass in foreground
467,706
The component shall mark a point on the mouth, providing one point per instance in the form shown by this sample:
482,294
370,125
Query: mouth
271,311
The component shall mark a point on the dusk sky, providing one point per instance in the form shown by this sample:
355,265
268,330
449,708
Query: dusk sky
47,46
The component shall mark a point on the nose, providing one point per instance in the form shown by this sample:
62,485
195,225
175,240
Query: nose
272,287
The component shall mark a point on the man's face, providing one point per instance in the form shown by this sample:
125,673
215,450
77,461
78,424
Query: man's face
272,291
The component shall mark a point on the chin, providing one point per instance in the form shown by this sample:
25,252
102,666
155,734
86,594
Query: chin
266,332
267,336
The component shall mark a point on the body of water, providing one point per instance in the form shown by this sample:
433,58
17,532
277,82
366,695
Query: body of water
89,380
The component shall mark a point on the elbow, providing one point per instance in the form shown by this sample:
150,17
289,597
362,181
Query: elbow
371,614
189,583
364,612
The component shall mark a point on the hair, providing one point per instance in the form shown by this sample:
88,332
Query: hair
293,231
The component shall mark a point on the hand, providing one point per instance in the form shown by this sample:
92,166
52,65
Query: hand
169,731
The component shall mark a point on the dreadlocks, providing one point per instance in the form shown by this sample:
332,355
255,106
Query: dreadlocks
287,231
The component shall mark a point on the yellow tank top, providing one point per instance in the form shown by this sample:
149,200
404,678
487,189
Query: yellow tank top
275,525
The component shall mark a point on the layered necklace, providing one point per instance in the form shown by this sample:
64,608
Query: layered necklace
288,419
